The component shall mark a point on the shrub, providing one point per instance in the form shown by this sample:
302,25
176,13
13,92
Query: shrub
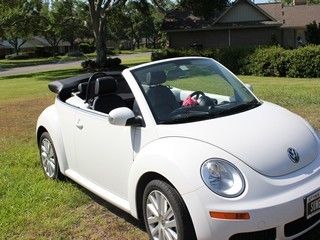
262,61
75,54
232,58
20,56
269,61
86,48
313,33
304,62
111,64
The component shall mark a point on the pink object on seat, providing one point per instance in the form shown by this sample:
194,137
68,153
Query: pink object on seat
189,102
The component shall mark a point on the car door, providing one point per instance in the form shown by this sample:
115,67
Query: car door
104,151
66,113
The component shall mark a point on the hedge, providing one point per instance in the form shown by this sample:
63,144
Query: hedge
260,61
232,58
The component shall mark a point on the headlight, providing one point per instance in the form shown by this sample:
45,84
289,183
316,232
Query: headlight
223,178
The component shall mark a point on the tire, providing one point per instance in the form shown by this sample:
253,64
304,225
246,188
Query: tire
48,157
173,221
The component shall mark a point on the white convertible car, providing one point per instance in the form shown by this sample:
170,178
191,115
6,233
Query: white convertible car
185,146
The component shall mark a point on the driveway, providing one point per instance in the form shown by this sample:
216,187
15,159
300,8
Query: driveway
59,66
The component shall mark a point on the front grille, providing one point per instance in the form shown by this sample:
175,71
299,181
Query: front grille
300,225
269,234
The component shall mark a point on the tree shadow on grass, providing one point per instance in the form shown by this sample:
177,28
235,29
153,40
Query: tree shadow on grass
110,207
46,76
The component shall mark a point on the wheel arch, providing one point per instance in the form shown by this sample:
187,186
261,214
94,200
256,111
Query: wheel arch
144,180
141,185
48,121
40,131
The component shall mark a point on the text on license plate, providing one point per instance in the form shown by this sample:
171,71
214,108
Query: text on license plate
313,205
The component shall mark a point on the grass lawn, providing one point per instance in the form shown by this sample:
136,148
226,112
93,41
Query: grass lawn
32,207
28,62
4,63
38,61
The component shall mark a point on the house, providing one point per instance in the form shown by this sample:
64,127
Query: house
36,45
244,23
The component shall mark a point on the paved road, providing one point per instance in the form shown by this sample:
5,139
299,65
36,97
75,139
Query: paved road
58,66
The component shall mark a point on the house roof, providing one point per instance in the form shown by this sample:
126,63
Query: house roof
276,14
33,42
293,16
4,44
273,9
185,20
177,20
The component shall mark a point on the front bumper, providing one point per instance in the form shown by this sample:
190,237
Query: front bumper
276,207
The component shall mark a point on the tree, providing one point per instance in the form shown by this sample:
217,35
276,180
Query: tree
60,22
313,33
74,24
100,9
205,8
135,21
19,20
53,19
98,12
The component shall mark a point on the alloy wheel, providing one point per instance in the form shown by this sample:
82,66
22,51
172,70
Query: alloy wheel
160,217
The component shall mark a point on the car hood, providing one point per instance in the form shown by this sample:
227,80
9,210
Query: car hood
259,137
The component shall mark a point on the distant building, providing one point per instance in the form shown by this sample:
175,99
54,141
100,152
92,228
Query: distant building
38,46
244,23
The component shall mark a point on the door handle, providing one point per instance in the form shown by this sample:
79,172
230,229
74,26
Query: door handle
79,124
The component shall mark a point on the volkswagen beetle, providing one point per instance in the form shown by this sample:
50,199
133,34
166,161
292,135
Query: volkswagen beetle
185,146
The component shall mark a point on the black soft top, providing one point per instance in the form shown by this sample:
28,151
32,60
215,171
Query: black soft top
64,87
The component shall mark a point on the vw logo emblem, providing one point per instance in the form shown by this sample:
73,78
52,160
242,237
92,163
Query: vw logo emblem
293,155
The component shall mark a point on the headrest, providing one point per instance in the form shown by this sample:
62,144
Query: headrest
155,78
82,87
105,85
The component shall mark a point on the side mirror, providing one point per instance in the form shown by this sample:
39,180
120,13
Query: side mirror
124,117
249,86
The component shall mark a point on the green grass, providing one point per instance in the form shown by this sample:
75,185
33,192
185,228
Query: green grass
300,95
27,62
130,62
32,207
4,63
138,50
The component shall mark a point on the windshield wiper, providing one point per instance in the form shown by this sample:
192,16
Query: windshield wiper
192,115
188,116
238,108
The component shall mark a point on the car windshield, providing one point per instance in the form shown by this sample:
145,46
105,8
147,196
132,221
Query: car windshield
192,89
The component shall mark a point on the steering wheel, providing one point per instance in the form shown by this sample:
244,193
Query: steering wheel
197,95
202,99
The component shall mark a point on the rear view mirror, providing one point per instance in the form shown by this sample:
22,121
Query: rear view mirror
249,86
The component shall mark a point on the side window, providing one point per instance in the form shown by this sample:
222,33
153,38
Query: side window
109,93
125,92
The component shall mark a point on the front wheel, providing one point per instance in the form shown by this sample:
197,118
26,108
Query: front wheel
48,157
165,214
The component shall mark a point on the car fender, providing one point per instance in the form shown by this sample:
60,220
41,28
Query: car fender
49,119
178,159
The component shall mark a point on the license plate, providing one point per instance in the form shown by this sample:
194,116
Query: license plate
312,204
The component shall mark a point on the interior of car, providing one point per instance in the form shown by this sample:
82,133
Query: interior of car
103,93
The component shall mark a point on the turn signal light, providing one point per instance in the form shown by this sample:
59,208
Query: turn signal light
230,216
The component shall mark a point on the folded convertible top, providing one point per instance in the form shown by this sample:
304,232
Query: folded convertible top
65,86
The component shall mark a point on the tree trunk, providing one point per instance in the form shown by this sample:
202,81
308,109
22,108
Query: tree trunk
16,48
138,42
154,42
101,47
99,26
